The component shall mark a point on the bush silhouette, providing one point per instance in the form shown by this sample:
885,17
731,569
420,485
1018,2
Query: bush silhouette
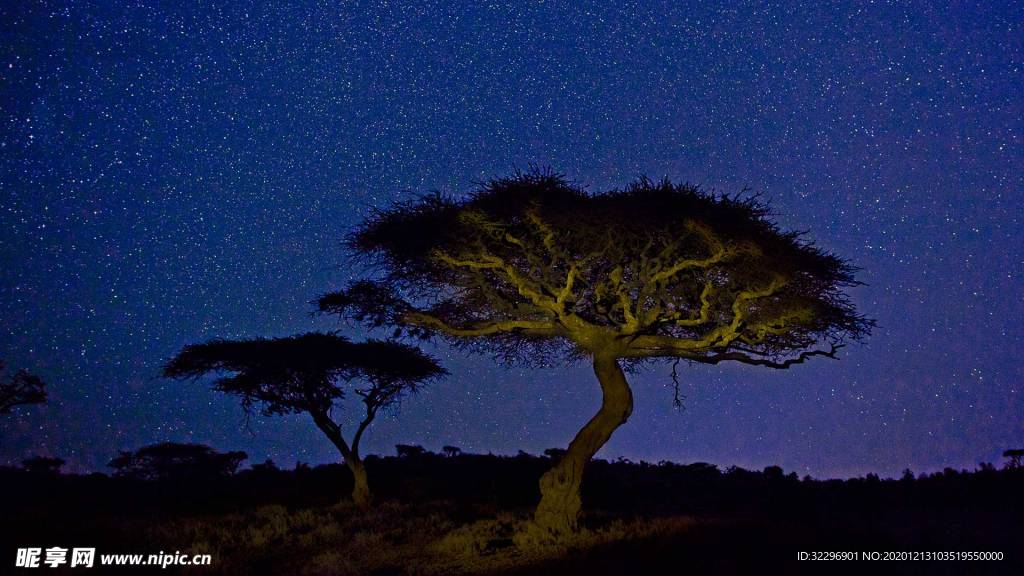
43,465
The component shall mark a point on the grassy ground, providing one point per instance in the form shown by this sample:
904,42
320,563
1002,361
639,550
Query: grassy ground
640,519
394,538
439,538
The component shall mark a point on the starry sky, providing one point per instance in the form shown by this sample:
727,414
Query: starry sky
172,172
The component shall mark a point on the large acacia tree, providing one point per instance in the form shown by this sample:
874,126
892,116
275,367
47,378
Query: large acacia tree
313,373
533,266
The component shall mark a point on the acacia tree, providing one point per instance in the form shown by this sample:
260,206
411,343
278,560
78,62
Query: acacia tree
173,461
21,389
1014,457
532,266
312,373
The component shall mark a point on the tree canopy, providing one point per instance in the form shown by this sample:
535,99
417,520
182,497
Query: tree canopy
303,373
533,263
176,461
21,388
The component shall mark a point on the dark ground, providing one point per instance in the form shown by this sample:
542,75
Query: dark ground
441,515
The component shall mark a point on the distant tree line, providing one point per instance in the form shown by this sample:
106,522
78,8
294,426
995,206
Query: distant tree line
170,461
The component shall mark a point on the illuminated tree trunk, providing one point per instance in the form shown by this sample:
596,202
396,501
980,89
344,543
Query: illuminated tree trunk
360,488
559,506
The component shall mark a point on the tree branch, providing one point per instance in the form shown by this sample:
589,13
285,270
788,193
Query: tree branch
705,308
746,359
371,413
533,327
333,432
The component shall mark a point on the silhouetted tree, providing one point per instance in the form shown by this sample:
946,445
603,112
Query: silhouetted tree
1014,457
451,451
409,450
266,467
531,267
703,468
20,389
554,453
43,465
174,461
311,373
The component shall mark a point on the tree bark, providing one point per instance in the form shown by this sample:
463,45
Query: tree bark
559,507
360,488
360,485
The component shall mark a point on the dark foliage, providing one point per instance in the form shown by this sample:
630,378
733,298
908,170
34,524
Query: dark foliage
409,450
1014,457
22,388
170,461
304,373
618,487
532,258
554,453
42,465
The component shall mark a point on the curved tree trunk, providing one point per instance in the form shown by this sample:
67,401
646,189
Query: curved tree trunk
559,505
360,488
360,485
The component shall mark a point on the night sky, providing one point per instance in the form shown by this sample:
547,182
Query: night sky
171,174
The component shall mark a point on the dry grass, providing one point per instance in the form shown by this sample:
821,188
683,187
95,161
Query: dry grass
493,546
390,539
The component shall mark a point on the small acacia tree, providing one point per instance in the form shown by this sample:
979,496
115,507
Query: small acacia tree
1013,457
532,266
172,461
22,388
311,373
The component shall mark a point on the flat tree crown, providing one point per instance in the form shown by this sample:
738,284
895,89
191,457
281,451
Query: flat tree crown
305,372
172,460
651,270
